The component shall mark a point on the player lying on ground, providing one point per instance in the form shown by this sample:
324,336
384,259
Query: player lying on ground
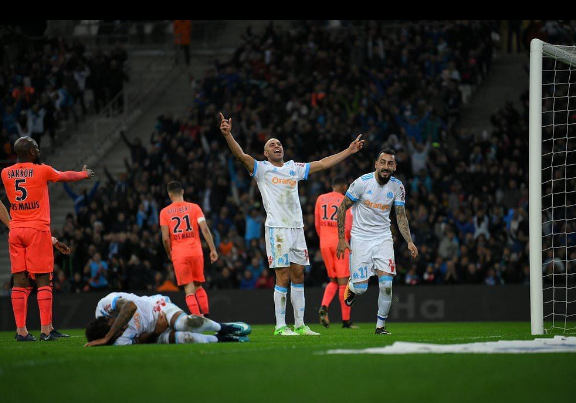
30,239
179,223
338,270
284,228
123,319
371,197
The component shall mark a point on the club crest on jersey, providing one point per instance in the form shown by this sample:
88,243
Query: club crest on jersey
369,192
390,195
292,173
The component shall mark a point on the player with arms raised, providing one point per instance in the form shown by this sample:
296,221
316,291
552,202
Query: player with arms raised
325,214
371,251
179,223
29,239
284,227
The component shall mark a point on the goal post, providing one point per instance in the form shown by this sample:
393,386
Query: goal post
552,187
535,188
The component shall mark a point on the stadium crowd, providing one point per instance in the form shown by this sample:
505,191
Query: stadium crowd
43,84
315,88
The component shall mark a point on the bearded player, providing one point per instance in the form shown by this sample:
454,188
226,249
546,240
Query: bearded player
29,239
179,223
284,228
338,270
371,251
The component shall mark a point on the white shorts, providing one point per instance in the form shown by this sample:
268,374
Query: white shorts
164,305
285,246
366,257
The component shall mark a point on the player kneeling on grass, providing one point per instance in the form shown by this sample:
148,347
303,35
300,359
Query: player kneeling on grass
123,319
371,251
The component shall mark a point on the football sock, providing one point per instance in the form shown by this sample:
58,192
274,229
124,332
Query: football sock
358,288
202,299
192,304
329,293
345,308
189,337
384,299
298,303
28,292
195,323
44,297
19,302
280,305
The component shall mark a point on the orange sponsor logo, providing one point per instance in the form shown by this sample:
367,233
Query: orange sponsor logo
279,181
379,206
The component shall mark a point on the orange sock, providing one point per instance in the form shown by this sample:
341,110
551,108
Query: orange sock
202,298
345,308
44,298
19,299
329,293
28,292
192,304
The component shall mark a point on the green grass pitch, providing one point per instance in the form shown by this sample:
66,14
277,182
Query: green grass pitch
288,369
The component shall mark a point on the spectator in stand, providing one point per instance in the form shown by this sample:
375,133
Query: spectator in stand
182,32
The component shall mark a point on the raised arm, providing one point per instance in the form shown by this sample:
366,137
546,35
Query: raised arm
342,243
208,237
404,228
226,129
70,176
332,160
126,309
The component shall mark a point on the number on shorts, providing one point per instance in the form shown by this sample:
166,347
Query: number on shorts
333,216
19,188
178,220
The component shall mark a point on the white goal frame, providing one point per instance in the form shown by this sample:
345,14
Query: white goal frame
538,49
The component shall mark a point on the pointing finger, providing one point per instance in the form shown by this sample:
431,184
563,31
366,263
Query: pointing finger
222,116
358,138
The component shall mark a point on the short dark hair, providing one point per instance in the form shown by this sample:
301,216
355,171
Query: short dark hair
339,180
97,328
174,187
387,150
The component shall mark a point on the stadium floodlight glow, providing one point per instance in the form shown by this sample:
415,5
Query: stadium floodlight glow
552,187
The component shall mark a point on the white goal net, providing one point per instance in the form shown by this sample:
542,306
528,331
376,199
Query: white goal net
553,188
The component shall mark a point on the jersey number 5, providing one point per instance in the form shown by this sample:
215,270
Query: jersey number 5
178,220
19,188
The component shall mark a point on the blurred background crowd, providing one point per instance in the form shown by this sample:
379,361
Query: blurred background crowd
315,87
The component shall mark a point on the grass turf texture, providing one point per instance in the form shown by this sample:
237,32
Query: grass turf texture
287,369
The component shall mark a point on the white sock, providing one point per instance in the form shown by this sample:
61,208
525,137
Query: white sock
298,303
384,299
189,337
280,305
197,324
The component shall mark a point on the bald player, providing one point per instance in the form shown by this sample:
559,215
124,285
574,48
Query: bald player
29,239
284,228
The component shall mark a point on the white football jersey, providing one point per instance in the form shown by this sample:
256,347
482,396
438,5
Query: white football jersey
372,204
279,189
144,319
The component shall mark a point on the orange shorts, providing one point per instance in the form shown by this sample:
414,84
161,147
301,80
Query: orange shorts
336,268
30,251
189,269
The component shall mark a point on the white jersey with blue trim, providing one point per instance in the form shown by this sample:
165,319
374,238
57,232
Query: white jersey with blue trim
279,189
143,321
372,204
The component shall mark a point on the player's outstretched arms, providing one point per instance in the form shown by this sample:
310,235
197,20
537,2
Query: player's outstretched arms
226,129
404,228
70,176
127,310
341,219
332,160
4,215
